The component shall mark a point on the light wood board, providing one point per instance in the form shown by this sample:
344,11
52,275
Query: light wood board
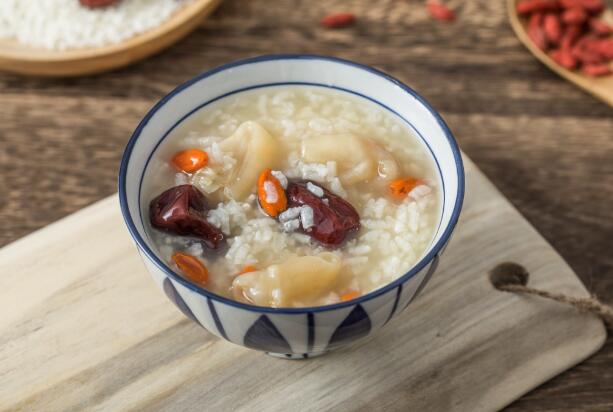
24,59
83,327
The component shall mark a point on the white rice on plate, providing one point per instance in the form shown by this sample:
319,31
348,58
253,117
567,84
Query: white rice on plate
66,24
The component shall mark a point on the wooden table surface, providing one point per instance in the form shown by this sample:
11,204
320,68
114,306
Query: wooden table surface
547,145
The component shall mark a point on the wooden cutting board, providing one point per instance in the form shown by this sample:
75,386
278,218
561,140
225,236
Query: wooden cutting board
83,327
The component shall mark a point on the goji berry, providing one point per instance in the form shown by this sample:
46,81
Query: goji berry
564,58
576,15
605,48
190,160
531,6
570,4
552,28
536,20
602,47
570,36
439,11
537,35
338,20
593,6
191,267
596,70
271,194
582,51
600,27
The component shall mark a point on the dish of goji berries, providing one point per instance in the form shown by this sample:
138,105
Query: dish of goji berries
292,196
574,38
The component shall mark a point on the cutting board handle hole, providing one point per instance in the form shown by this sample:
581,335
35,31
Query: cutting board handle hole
509,273
513,277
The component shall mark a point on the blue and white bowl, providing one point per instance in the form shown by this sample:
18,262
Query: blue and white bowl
291,332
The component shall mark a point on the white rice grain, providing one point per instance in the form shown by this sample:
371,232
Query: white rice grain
291,225
181,179
306,217
280,177
289,214
355,261
420,191
316,190
337,187
271,192
195,249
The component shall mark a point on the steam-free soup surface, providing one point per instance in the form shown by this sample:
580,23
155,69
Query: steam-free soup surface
248,152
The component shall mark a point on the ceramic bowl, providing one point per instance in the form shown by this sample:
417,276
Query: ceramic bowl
291,332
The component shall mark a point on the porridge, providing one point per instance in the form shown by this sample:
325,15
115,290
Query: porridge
292,196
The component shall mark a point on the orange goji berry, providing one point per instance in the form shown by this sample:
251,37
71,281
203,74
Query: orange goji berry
349,296
400,188
191,267
271,194
190,160
247,269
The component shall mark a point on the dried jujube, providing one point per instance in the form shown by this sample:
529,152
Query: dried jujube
332,221
181,210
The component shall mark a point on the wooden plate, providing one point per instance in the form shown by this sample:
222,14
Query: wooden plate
23,59
601,87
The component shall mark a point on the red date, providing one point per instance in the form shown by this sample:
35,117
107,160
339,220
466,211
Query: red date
181,210
332,221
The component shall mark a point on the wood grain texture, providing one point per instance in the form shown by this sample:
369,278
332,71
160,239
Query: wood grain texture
18,58
108,339
544,143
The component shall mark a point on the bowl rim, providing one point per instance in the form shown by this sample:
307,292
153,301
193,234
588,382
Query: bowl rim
151,255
